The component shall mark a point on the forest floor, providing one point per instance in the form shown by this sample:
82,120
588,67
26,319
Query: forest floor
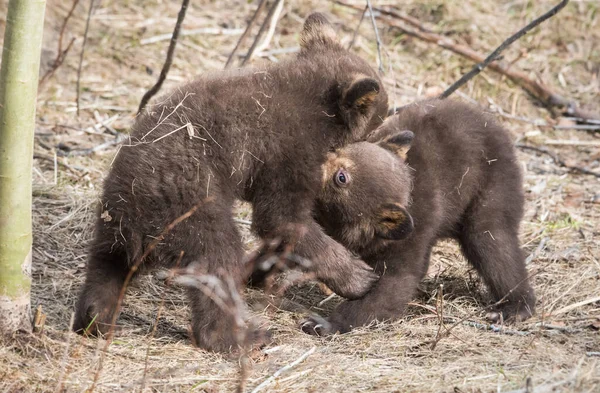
557,350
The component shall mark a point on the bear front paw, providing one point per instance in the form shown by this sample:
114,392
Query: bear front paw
355,282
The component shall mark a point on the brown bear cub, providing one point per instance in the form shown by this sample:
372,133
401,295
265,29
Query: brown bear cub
255,134
457,178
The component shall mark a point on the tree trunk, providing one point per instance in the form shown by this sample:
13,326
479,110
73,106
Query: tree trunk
18,91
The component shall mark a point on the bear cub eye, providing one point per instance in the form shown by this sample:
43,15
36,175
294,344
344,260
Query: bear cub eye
342,178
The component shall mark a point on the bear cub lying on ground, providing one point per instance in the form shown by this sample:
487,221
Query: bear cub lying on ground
453,175
256,134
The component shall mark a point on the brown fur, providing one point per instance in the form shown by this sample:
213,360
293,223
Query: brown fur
259,135
466,185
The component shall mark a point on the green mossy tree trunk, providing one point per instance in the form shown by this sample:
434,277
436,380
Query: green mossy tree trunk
18,92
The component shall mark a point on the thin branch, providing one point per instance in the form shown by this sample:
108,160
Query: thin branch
259,10
266,22
60,54
376,36
272,26
285,368
130,275
85,35
496,53
362,16
559,161
537,89
163,73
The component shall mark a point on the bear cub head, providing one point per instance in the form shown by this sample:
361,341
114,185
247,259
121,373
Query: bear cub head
365,193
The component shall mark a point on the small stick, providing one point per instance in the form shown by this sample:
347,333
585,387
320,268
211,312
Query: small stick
85,34
261,31
576,305
285,368
65,357
163,73
362,16
557,160
536,88
153,332
440,314
569,142
129,276
272,27
496,53
259,10
60,55
376,36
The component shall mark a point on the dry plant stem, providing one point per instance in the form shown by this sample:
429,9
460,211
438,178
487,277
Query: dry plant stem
448,330
65,357
266,22
60,55
558,161
362,17
165,70
85,34
440,313
153,332
132,271
272,26
537,89
376,36
496,53
259,10
285,368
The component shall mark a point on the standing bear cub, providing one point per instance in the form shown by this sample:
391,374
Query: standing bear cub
256,134
454,175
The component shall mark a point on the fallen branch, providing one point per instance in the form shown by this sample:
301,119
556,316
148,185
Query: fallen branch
163,73
259,10
496,53
557,160
537,89
85,34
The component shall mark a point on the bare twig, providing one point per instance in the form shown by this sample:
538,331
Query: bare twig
266,22
259,10
496,53
448,330
536,88
559,161
362,16
151,246
272,26
285,368
440,313
60,54
85,35
202,30
169,60
153,332
376,36
84,152
65,357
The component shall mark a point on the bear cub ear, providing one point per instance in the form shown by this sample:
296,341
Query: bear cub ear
361,94
393,222
317,30
399,142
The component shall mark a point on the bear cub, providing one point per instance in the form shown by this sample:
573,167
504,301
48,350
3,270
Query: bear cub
255,134
453,175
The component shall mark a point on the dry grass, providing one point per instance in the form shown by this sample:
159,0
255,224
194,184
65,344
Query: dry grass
560,230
